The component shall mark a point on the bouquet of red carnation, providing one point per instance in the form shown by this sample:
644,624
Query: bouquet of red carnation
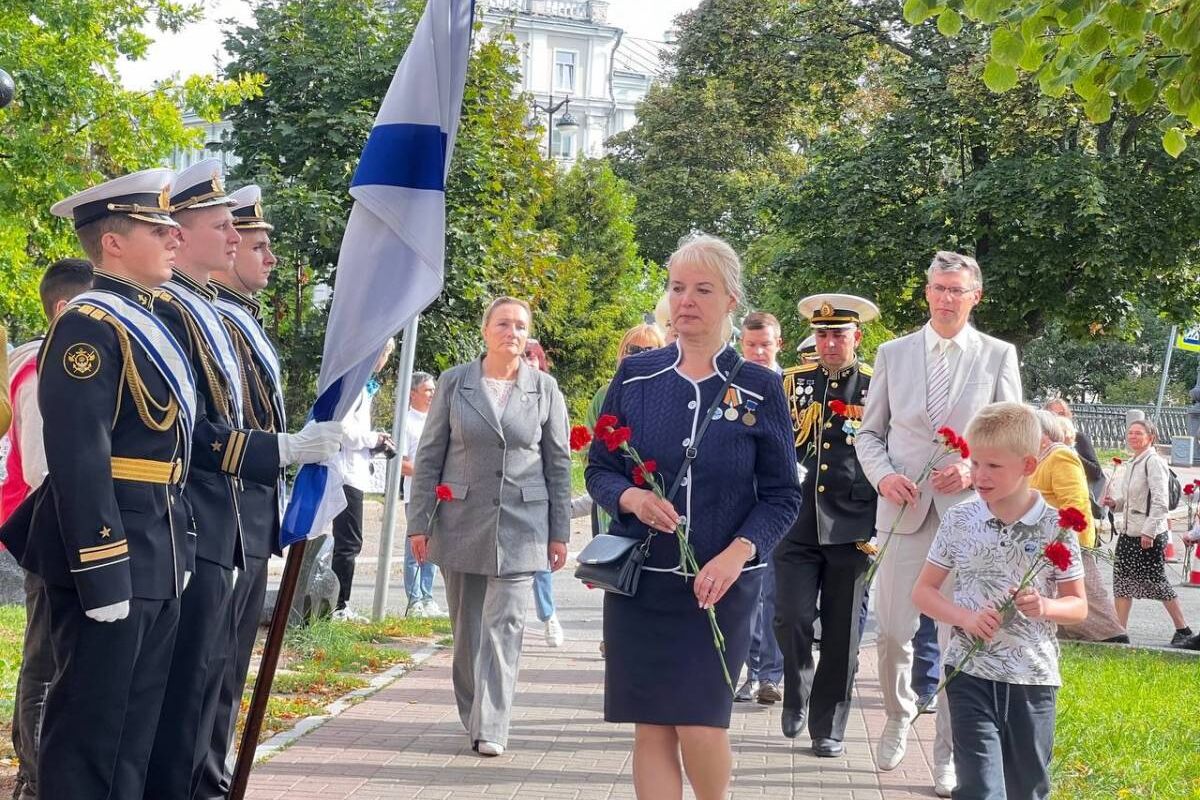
1056,553
615,437
949,443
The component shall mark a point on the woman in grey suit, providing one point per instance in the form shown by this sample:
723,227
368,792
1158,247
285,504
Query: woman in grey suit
497,436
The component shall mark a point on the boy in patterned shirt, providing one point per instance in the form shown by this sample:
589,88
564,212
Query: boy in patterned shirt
1002,702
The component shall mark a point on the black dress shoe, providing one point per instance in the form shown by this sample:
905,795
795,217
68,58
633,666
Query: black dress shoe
792,722
828,748
1191,643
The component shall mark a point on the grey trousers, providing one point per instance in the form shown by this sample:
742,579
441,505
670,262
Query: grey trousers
33,681
487,615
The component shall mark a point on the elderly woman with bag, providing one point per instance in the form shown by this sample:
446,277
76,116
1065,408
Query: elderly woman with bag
491,505
718,429
1061,479
1139,568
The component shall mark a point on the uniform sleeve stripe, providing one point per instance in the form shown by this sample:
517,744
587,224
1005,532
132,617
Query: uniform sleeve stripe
100,566
120,548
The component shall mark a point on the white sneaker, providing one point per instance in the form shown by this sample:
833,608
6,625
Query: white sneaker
944,780
416,610
431,608
554,632
892,744
348,614
489,748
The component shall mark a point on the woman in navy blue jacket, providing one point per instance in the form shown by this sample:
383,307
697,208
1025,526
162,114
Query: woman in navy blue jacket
740,496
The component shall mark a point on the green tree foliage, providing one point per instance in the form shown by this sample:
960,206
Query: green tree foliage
73,124
1106,52
328,64
1071,220
591,210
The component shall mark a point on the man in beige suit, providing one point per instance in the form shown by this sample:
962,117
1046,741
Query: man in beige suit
937,376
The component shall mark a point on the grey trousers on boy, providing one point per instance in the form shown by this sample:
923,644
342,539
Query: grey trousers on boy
488,617
1003,738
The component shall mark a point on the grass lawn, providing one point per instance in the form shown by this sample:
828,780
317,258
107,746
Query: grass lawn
1127,725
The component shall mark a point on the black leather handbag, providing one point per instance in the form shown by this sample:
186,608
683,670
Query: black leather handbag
614,563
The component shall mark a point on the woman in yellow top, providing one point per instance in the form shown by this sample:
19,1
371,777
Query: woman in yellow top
1061,480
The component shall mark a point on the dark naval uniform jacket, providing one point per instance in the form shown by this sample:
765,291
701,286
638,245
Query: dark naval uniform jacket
223,456
839,501
258,502
108,521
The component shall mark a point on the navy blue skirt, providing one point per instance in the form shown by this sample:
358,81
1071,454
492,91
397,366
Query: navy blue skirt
660,665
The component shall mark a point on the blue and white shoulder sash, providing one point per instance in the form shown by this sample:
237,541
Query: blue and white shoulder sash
217,338
159,346
250,328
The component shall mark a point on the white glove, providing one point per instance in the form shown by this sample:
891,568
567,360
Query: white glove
110,613
316,442
187,578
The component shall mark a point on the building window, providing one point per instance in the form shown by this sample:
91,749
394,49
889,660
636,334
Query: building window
564,70
565,147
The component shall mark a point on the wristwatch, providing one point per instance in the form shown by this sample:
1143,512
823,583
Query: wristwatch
753,547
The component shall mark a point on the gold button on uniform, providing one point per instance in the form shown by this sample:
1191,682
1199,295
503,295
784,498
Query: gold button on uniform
828,424
824,467
826,445
834,384
820,488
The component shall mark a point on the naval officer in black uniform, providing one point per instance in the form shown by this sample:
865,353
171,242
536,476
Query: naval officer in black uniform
824,554
227,454
259,504
106,530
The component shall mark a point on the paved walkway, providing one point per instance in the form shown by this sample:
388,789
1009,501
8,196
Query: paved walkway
406,741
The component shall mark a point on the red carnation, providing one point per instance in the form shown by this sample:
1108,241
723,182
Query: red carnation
443,492
581,437
1117,461
837,407
643,471
1058,553
949,438
1190,489
1072,518
616,438
963,450
605,425
1196,482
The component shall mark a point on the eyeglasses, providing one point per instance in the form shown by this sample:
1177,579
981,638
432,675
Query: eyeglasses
634,349
957,292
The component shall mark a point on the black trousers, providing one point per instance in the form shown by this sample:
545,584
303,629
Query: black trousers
103,706
33,681
189,710
835,573
212,778
347,542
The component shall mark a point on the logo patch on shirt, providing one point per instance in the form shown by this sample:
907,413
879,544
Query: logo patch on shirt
82,361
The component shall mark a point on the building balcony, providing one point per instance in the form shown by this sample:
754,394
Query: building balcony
580,10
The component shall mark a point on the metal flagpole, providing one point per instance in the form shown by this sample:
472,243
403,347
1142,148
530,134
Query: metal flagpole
1162,385
383,569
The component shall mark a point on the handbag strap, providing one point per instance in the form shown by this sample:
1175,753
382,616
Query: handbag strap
689,455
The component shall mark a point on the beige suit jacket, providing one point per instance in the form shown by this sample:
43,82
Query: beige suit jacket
897,434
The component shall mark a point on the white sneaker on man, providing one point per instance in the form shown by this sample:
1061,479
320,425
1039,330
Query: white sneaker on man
430,608
892,744
348,614
944,780
554,632
489,748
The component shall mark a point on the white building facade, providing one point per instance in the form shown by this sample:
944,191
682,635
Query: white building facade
569,51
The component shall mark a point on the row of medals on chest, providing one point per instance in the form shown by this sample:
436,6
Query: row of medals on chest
804,394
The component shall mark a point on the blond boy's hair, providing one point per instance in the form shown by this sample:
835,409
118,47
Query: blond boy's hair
1007,426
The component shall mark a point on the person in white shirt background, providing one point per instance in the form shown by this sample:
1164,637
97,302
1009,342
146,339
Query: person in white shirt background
361,441
418,577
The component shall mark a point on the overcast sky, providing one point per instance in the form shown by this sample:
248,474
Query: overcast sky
198,49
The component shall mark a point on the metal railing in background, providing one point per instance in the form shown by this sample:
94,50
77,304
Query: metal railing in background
1105,424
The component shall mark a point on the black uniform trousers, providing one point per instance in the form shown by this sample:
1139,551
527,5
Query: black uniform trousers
347,542
189,709
33,681
213,778
804,571
102,708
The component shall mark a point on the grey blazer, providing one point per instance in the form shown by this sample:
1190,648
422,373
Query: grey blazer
511,476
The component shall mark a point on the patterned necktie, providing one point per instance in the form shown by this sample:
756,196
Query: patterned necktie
938,397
